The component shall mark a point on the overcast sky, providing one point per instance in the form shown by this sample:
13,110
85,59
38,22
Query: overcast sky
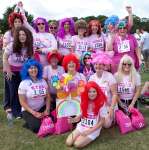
57,9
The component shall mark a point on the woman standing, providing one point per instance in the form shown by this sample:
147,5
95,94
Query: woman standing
125,43
44,41
129,83
33,95
65,32
96,39
14,56
80,42
15,20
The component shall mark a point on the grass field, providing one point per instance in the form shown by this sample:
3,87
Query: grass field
18,138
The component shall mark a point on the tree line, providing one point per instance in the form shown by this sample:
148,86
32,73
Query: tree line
138,22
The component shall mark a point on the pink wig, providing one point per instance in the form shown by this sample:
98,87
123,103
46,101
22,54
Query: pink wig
45,22
61,30
101,58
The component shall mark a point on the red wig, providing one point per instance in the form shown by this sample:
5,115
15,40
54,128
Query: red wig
12,17
98,101
68,58
96,23
56,54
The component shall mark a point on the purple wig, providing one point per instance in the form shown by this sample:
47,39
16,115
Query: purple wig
45,22
61,30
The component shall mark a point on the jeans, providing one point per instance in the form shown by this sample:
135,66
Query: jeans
11,99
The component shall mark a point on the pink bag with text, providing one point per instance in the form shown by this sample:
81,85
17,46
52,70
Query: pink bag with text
62,125
47,127
123,121
137,119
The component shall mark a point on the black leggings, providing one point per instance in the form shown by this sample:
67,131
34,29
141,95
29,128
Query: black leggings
32,122
127,103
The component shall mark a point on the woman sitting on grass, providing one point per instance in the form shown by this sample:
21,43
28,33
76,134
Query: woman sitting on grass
92,118
33,95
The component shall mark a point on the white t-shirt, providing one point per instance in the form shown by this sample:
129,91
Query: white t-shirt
138,38
50,74
126,88
145,40
80,45
91,120
87,123
7,38
106,80
35,93
64,45
45,41
96,43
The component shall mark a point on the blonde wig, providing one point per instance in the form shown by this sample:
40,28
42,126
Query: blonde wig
120,73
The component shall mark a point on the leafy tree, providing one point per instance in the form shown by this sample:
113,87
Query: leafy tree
4,21
102,19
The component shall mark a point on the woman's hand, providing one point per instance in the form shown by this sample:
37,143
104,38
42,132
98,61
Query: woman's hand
46,113
130,106
39,50
111,112
129,9
37,114
9,75
71,120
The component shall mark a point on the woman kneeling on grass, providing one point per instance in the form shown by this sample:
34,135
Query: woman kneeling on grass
33,95
129,83
92,118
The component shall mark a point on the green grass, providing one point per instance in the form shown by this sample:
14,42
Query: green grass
18,138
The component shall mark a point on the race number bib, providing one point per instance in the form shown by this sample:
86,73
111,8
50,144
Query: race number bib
66,44
124,46
82,47
98,44
89,122
38,91
126,88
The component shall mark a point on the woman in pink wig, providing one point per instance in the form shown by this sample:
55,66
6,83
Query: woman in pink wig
108,84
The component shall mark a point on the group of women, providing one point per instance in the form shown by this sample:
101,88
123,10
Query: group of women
34,56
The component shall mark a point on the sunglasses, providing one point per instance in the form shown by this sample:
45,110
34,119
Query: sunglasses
125,64
53,27
122,28
87,58
40,24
